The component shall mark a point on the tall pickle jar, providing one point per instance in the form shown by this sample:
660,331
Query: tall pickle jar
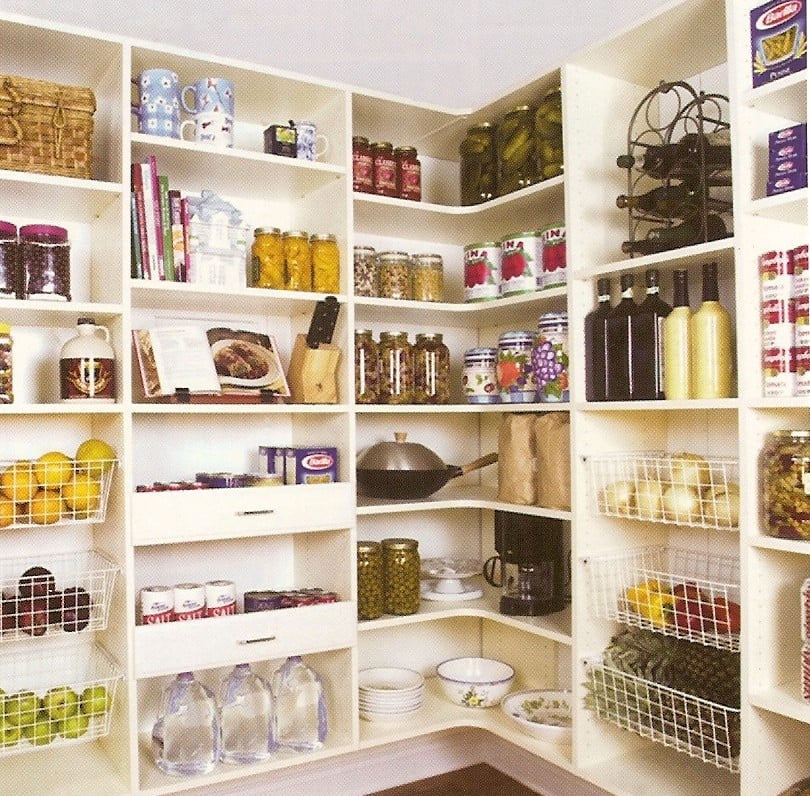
370,583
427,277
395,275
366,277
517,166
431,370
297,260
267,259
396,368
401,575
325,263
366,368
478,154
784,482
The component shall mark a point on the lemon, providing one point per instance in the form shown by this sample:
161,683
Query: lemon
17,481
8,512
53,469
46,507
94,456
82,496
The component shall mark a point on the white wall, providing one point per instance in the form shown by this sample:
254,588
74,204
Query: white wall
459,53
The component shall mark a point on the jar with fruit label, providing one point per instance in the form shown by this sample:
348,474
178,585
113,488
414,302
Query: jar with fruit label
514,368
267,258
396,368
395,275
427,277
325,264
482,271
478,379
550,358
8,259
362,165
297,260
366,368
45,258
784,481
478,154
409,173
385,168
517,166
431,370
366,278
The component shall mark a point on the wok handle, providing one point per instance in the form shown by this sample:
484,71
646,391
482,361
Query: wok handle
489,458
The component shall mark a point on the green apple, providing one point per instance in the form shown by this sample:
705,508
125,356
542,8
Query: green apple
20,708
61,702
41,731
10,734
73,726
95,701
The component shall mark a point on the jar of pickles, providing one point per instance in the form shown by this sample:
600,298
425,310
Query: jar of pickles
401,576
8,259
409,173
366,281
396,368
395,275
517,166
267,259
784,482
362,165
370,583
385,168
427,277
297,260
366,368
325,263
431,370
45,258
479,164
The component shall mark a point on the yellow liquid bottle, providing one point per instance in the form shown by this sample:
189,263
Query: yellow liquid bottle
676,342
711,343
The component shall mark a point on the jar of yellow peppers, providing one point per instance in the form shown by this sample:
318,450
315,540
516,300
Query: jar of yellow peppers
297,260
267,259
325,264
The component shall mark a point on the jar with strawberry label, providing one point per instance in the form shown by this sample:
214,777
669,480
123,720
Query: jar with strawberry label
521,263
482,271
553,256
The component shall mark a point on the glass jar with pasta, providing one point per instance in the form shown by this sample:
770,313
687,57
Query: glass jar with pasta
297,260
427,277
325,264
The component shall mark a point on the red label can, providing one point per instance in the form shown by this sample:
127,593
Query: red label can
157,605
220,598
189,601
554,256
482,271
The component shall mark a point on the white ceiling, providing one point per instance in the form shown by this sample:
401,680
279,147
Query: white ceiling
458,53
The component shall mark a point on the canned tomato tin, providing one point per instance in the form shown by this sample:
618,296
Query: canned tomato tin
776,275
220,598
802,359
482,271
264,600
801,293
514,368
189,601
778,371
157,605
553,256
521,263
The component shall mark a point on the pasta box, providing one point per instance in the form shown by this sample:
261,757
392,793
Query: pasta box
300,465
778,40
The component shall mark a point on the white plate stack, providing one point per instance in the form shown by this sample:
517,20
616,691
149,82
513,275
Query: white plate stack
389,693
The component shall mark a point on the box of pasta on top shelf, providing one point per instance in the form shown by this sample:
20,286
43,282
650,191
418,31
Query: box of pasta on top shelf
778,40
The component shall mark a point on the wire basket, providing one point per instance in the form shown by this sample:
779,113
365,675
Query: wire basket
682,489
698,727
35,493
676,592
64,697
57,594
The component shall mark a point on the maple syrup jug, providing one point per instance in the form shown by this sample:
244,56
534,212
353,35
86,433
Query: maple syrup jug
87,364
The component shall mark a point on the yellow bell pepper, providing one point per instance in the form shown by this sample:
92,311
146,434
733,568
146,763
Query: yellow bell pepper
650,601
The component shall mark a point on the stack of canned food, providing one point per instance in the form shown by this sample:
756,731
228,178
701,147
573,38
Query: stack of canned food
398,275
295,260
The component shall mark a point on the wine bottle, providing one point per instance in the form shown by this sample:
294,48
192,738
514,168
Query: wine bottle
711,342
678,200
677,373
688,233
619,339
596,344
694,155
646,348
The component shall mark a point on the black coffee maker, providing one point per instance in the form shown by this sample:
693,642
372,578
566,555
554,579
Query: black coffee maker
530,565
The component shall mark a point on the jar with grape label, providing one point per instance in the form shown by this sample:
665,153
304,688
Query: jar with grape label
550,358
514,368
431,363
396,368
366,368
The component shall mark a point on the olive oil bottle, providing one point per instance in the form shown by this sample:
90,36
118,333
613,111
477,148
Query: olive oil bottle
711,348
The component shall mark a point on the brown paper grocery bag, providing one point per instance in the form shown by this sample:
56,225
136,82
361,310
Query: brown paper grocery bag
312,374
516,480
552,448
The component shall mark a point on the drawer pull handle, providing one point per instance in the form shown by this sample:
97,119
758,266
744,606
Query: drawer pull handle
257,640
251,512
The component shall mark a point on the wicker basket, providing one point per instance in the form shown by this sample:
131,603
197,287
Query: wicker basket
45,127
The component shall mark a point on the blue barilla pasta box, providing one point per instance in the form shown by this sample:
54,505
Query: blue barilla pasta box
300,465
778,40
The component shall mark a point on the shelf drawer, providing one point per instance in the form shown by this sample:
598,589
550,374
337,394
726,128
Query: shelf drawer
192,515
227,640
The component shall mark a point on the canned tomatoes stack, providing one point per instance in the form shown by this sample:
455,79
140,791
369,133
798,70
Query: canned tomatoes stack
186,601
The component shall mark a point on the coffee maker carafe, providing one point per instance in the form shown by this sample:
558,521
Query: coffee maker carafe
530,565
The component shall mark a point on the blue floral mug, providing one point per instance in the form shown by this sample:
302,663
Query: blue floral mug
158,106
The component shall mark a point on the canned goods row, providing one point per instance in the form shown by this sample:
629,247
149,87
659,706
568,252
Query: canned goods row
271,600
219,480
34,262
294,260
299,465
185,601
383,169
398,275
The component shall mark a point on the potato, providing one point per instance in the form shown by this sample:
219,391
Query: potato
681,504
617,498
647,498
690,469
721,505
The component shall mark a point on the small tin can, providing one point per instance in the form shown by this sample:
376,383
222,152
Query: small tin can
157,605
801,295
482,271
514,368
478,379
778,371
801,355
553,256
220,598
550,358
189,601
262,600
521,263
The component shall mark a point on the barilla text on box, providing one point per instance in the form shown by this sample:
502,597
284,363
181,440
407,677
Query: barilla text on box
778,40
300,465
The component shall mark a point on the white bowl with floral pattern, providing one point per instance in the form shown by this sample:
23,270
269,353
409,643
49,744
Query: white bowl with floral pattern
475,682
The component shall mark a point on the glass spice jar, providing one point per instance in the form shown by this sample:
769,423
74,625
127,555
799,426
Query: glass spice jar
362,165
370,584
297,260
6,370
431,370
396,368
267,259
366,368
784,482
427,277
366,281
385,168
408,174
8,259
395,275
401,576
45,258
478,154
517,166
325,263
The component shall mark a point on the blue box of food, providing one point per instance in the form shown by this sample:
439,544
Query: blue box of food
778,40
300,465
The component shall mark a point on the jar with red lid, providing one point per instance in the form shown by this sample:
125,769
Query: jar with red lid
385,168
362,165
409,173
8,259
45,262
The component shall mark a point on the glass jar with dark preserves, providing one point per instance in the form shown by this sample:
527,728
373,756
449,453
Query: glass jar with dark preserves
8,259
366,280
366,368
396,368
431,370
45,262
370,583
517,166
362,165
784,466
395,275
427,277
479,164
409,173
401,576
385,168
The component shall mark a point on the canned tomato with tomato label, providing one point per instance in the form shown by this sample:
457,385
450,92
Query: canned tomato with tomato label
482,271
554,256
521,263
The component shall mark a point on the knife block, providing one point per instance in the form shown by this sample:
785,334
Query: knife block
312,375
